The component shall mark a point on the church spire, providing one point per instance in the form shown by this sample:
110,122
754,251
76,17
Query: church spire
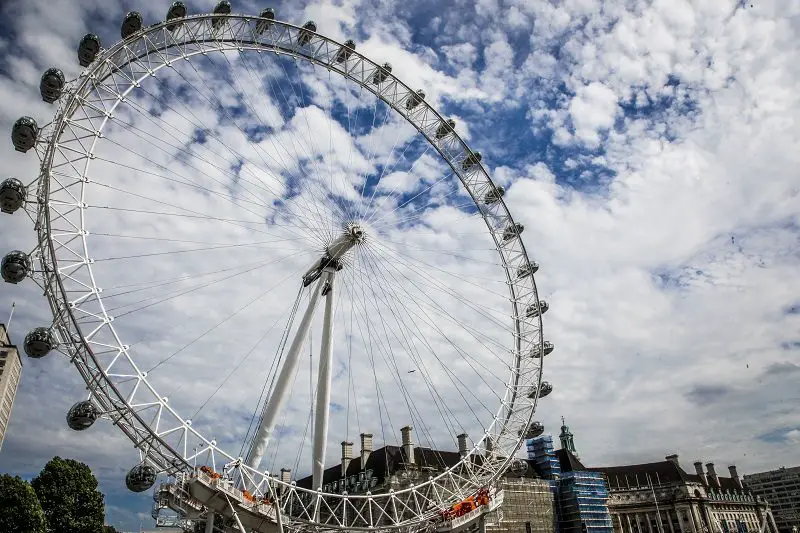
567,439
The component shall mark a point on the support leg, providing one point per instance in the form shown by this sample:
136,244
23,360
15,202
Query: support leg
323,389
210,522
279,395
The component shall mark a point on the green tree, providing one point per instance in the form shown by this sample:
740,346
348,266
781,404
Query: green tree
70,500
20,511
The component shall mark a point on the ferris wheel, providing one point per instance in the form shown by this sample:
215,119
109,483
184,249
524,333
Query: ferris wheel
255,242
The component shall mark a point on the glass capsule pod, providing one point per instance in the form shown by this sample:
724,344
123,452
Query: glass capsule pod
526,270
222,8
533,430
12,195
267,16
518,468
176,11
345,51
305,34
513,231
39,342
82,415
536,351
24,133
88,49
51,85
494,194
131,24
533,310
545,389
382,73
414,99
472,159
445,128
15,266
140,478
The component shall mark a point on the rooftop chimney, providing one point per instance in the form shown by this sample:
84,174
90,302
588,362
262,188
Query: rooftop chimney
286,477
347,456
408,446
698,467
366,448
463,447
673,459
735,476
712,475
489,445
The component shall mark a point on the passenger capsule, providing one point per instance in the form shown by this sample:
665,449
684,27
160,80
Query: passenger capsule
24,133
472,159
51,85
518,468
176,11
513,231
131,24
15,266
82,415
12,195
382,73
223,8
39,342
526,270
268,15
532,431
345,51
545,389
445,128
533,310
414,99
494,195
536,351
140,478
88,49
304,36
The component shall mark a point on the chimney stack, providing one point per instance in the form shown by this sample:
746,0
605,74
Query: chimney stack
735,476
366,448
408,446
347,456
698,467
463,447
673,459
712,475
286,477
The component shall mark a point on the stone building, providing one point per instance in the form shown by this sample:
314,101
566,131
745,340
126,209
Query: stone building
661,497
781,489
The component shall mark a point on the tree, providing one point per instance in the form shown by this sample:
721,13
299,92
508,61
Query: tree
20,511
70,500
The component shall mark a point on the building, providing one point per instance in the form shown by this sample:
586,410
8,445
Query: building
528,507
10,372
781,488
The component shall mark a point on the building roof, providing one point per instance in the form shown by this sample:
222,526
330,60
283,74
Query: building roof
569,461
385,461
644,474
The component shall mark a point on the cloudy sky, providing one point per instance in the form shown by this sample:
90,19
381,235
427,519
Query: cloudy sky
649,148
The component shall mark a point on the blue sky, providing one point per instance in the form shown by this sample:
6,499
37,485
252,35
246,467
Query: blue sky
650,149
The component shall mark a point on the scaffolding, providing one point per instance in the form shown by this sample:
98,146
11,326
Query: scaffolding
583,503
527,508
541,452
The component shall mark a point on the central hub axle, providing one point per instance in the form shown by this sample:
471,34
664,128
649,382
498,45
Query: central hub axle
353,234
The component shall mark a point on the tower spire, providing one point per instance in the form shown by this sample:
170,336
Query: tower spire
567,439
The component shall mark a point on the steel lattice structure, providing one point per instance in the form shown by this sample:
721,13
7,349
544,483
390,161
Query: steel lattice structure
83,328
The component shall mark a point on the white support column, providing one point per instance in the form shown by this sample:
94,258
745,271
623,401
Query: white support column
323,386
279,395
210,522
